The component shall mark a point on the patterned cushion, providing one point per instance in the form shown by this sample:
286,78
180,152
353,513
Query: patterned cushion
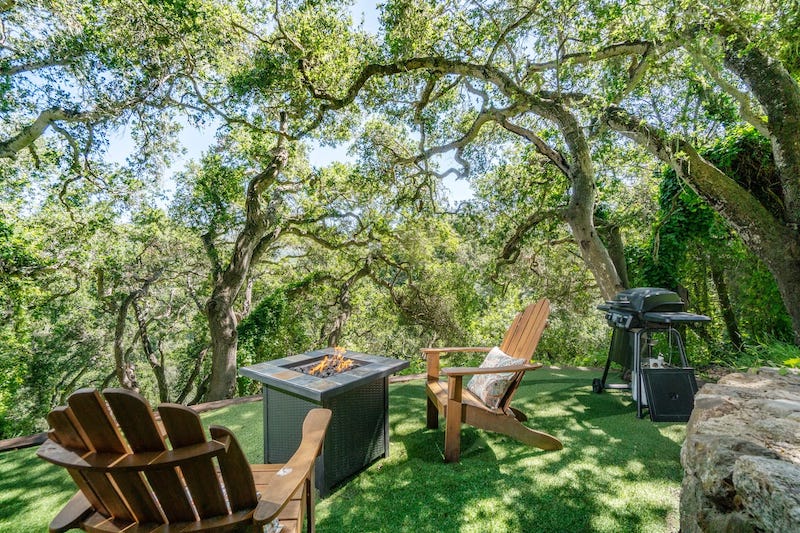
491,388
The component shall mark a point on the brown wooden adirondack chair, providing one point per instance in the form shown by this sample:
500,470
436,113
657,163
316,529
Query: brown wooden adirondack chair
129,479
449,397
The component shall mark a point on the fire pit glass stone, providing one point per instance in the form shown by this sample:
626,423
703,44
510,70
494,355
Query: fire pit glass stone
359,398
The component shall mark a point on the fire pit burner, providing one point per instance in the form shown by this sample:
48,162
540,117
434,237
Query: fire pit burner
329,365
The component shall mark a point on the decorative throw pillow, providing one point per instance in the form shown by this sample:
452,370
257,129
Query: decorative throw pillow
491,388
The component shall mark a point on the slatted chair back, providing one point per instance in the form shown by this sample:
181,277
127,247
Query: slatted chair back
115,451
521,340
522,337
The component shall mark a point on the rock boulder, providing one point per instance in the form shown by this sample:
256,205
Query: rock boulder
741,457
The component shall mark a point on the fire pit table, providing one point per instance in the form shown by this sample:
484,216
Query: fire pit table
358,396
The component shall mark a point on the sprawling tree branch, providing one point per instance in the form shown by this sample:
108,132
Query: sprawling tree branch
773,241
549,106
747,108
436,65
705,178
332,332
513,244
21,68
502,39
628,48
30,133
541,146
779,94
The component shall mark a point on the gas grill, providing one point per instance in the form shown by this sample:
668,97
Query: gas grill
645,323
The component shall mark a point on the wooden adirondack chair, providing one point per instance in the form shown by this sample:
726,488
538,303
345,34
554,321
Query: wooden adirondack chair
129,479
457,404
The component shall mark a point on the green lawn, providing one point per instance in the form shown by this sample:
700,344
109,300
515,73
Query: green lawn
615,473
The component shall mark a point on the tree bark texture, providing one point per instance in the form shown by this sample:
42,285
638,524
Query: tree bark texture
123,369
580,212
779,95
333,333
616,249
187,387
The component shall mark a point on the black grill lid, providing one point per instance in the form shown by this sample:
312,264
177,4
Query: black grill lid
645,299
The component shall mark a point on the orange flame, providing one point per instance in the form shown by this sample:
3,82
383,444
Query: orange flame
320,367
337,363
342,364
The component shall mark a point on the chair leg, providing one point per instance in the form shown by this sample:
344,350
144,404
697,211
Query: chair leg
311,520
432,415
519,415
452,434
512,427
452,420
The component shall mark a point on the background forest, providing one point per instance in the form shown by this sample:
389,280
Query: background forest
607,144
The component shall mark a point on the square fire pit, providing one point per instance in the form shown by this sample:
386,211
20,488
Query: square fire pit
358,396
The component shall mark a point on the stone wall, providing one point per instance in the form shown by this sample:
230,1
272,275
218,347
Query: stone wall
741,457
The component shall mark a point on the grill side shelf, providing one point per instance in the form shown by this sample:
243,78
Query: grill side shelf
672,317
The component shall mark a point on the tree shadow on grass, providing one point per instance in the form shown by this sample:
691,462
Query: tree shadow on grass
33,491
615,473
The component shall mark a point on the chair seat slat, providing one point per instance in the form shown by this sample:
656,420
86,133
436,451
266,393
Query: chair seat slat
144,436
235,471
95,420
103,436
95,485
137,496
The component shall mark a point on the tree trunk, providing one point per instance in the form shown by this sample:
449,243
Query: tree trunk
124,370
156,362
580,212
593,252
616,250
260,223
728,316
224,339
187,387
779,94
336,329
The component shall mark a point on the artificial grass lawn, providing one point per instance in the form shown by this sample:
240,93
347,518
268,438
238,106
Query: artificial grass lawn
615,473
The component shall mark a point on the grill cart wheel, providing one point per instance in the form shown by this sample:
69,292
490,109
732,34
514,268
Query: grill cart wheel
597,385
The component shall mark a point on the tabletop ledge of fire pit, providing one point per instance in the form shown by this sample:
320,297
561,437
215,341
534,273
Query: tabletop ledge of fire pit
279,373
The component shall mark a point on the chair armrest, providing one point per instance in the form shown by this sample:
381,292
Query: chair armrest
467,371
465,349
294,473
432,357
